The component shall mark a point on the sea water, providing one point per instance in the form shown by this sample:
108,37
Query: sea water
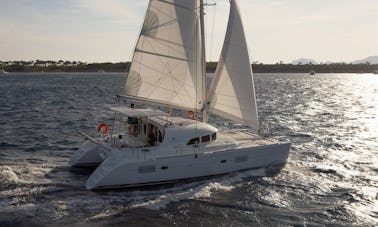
331,177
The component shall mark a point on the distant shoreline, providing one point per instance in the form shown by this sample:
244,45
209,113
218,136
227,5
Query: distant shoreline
123,67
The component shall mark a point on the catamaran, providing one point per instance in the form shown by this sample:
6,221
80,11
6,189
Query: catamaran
149,146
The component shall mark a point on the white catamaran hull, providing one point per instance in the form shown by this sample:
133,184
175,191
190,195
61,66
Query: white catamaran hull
119,171
89,154
168,69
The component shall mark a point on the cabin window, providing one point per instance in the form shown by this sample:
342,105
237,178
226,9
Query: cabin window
160,137
223,161
144,129
146,169
205,139
164,167
213,136
193,141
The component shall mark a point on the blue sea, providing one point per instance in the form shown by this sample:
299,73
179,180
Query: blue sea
331,177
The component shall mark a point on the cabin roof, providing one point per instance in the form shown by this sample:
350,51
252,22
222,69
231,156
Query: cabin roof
187,126
131,112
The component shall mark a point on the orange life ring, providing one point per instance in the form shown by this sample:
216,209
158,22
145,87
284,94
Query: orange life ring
103,128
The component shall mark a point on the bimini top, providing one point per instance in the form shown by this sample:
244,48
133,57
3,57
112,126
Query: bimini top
131,112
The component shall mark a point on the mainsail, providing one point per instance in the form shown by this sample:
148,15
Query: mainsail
232,92
166,66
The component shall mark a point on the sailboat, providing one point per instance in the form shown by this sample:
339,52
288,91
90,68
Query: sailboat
168,70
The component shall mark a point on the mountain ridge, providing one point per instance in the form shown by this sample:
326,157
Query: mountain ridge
371,60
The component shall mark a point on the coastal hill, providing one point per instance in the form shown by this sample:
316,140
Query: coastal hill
369,60
304,61
372,60
368,65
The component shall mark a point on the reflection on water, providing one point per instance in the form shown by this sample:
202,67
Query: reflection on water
331,177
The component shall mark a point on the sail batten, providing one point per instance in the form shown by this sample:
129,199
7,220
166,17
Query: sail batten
161,55
232,92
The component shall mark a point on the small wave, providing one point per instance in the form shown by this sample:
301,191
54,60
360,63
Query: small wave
7,175
30,149
162,198
210,188
25,208
331,172
7,145
276,198
328,171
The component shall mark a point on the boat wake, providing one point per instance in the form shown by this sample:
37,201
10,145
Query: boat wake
7,175
164,196
194,190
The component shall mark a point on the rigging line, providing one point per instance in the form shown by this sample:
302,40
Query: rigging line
165,63
166,66
136,42
170,42
114,121
160,72
206,22
167,42
212,32
177,5
196,63
154,84
173,21
241,107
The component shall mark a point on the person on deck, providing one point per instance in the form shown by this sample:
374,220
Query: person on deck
133,123
119,142
170,111
191,115
151,139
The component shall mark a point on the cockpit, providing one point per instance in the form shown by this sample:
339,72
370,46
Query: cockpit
147,127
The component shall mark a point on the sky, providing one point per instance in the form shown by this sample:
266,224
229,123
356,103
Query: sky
106,31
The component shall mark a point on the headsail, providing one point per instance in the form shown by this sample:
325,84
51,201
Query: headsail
166,65
232,92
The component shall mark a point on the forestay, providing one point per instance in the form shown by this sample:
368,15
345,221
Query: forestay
232,92
166,65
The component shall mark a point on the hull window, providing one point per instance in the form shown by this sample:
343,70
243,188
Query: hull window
223,161
164,167
146,169
241,159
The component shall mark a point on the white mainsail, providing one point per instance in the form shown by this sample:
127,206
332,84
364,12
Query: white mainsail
166,66
232,92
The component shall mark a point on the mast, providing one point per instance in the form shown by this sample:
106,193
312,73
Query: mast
205,115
